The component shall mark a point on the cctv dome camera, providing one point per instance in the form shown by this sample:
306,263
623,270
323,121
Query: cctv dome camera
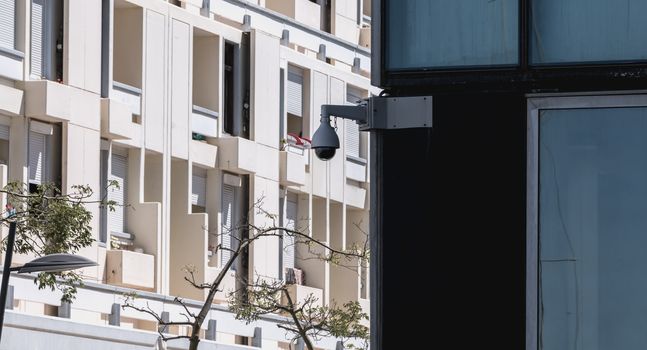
325,153
325,140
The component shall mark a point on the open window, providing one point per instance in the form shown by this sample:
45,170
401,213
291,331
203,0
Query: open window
44,154
199,190
47,39
4,144
206,76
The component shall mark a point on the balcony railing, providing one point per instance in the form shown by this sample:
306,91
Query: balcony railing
128,95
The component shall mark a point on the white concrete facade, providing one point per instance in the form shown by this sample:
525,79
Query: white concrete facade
185,104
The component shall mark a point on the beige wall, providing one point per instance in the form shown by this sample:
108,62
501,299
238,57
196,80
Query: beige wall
180,88
154,79
206,71
264,254
127,50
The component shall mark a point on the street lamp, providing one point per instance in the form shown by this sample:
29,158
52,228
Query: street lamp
47,263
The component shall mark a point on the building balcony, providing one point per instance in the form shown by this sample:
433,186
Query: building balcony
355,196
237,155
204,153
55,102
128,95
130,269
304,11
292,171
204,121
299,293
116,120
227,286
355,168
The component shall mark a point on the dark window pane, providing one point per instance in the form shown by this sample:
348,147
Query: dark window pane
588,31
451,33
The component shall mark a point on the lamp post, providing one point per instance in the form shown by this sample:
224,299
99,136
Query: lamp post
47,263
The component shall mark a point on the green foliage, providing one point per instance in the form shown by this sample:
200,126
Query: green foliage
49,222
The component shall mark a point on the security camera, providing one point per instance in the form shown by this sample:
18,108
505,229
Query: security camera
325,140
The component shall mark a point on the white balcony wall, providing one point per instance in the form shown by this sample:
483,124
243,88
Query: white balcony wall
204,122
344,21
303,11
154,79
180,88
82,66
265,105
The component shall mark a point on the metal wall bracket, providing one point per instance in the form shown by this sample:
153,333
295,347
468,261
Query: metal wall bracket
386,113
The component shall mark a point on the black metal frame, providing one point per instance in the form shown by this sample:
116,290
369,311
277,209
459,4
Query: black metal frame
571,77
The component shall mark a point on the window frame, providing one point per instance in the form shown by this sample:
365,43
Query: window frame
567,76
535,104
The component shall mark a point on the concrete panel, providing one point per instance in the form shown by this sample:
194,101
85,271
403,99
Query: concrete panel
188,243
265,86
130,269
154,72
116,120
336,176
204,154
11,67
180,89
81,164
267,164
318,168
264,254
11,99
83,49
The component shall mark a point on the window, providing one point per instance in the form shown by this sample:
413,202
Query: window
588,31
450,33
4,144
228,223
8,24
47,39
119,174
294,100
199,190
44,154
229,89
587,243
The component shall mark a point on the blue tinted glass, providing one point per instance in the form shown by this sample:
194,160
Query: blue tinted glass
588,31
451,33
593,229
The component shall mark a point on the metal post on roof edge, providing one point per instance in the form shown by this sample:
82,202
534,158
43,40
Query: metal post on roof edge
47,263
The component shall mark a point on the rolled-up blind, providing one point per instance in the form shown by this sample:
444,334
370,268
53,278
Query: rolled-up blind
118,173
37,37
8,23
228,198
37,157
353,95
4,132
295,91
199,190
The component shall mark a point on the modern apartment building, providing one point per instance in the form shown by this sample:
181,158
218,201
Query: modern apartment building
199,110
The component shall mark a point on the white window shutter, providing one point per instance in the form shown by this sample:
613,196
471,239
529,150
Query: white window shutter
228,201
8,23
37,37
37,157
4,130
353,95
198,190
290,224
352,138
118,173
295,91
